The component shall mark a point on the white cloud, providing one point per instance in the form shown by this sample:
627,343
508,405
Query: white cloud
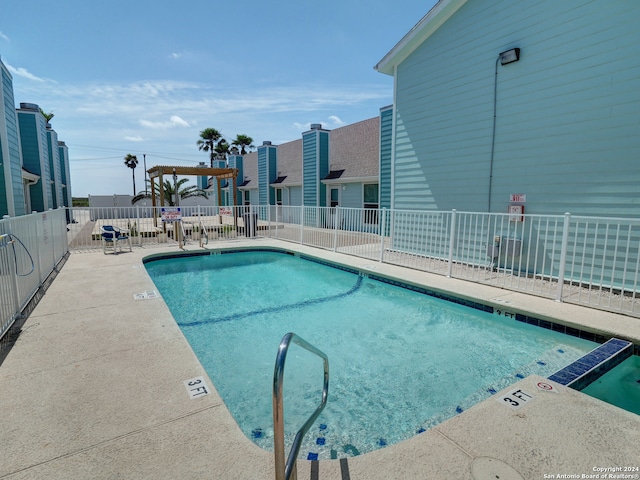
134,139
22,72
175,55
335,120
174,121
4,37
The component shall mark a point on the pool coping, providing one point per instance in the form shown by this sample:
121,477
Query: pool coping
73,340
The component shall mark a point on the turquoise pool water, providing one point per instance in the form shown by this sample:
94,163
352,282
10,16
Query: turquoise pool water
400,361
620,386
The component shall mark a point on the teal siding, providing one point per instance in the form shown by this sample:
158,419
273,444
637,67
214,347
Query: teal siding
266,174
567,124
386,136
315,166
32,136
12,176
236,161
4,204
295,196
54,168
63,153
351,196
309,169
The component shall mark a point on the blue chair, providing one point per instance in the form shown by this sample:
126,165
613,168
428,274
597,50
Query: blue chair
112,236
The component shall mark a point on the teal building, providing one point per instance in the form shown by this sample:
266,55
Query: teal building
324,168
55,168
35,155
12,185
503,99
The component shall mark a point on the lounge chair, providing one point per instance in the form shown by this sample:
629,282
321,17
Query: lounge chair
113,236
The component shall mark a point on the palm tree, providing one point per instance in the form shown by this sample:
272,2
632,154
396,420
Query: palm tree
47,116
222,149
131,161
207,142
243,141
169,192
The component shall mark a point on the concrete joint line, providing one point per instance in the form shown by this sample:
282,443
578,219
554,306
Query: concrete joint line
118,437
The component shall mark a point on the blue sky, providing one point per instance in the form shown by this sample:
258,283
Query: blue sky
141,77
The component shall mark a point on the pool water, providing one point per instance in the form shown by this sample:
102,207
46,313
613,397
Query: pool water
400,361
620,386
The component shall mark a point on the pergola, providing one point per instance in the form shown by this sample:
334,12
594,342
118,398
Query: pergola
218,173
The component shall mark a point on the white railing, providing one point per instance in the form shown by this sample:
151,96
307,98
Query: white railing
586,260
31,247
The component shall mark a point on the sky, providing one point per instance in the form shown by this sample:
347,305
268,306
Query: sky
145,78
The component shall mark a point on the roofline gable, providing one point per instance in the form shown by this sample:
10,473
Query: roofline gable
440,13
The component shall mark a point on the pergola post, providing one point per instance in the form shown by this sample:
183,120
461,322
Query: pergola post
218,173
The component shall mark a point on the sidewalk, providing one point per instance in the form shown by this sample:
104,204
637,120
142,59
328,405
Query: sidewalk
94,389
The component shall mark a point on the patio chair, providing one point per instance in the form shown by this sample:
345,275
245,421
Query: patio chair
112,236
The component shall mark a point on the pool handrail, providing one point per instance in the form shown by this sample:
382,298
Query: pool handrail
203,234
287,470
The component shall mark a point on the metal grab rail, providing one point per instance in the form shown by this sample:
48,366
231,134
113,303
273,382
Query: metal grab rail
203,234
287,471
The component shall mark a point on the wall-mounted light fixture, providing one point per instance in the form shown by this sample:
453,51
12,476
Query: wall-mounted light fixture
510,56
506,57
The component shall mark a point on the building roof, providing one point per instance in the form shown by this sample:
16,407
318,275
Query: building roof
250,171
439,14
289,163
355,149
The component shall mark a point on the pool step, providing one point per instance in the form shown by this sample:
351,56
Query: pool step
329,470
594,364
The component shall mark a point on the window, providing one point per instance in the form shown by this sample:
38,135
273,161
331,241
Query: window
334,196
247,197
370,201
278,196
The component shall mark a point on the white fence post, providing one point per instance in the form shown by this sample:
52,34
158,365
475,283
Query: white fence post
301,224
563,255
13,273
383,224
452,239
335,227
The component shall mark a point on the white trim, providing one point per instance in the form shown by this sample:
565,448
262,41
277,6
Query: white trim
439,14
347,180
31,178
392,200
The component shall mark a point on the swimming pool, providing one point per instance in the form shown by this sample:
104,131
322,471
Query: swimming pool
620,386
400,361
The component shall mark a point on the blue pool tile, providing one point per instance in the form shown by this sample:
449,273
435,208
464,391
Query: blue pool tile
312,456
257,433
382,442
562,377
320,441
519,375
491,390
421,430
560,350
459,409
540,362
323,426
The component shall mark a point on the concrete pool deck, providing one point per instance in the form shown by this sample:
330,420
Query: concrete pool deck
94,388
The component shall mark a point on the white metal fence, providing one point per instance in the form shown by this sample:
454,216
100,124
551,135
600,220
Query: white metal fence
586,260
31,247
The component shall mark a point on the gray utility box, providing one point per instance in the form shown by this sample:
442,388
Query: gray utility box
510,247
